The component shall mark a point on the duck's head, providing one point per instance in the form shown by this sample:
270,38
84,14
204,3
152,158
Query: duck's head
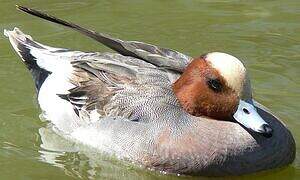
217,85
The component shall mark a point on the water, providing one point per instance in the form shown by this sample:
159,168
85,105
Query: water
264,34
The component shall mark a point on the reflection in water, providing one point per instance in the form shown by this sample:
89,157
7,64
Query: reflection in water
65,155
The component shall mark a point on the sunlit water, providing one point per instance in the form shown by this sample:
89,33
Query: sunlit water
264,34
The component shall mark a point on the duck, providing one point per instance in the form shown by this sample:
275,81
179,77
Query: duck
155,107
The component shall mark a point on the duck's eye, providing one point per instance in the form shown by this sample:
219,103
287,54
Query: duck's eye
215,85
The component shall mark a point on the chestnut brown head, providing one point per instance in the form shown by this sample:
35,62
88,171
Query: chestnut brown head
217,85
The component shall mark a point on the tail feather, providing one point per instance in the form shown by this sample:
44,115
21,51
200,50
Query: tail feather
51,70
23,44
41,60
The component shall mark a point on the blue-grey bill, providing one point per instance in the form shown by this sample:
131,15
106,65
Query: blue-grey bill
247,116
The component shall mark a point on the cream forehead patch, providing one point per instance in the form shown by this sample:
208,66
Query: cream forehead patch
230,68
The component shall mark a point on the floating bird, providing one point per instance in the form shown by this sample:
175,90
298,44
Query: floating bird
155,106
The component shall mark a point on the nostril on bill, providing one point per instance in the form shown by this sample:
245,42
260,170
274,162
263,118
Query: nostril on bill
246,111
267,131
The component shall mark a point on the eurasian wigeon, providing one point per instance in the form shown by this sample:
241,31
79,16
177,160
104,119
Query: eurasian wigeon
155,106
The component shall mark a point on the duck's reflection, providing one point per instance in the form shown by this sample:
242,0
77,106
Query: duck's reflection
64,154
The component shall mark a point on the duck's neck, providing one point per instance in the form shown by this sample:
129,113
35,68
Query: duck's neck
196,98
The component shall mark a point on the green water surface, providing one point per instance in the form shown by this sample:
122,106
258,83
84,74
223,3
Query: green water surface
264,34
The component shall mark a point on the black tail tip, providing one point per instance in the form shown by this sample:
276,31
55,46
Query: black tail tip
19,7
25,9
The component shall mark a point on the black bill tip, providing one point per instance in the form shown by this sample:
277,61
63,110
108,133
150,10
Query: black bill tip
266,131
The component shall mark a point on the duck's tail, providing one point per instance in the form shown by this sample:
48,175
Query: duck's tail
24,46
40,60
